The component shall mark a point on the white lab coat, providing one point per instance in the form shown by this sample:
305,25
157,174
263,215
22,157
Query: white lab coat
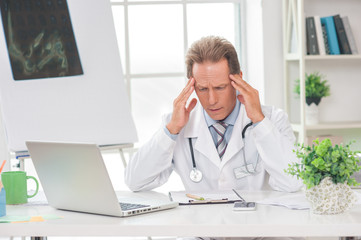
272,138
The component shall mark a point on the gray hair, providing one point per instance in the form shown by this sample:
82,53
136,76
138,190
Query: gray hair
213,49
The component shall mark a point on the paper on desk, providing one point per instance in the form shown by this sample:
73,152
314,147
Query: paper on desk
289,200
180,196
32,219
8,219
25,218
294,200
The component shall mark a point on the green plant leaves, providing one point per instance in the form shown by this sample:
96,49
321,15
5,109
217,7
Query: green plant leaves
323,147
316,86
319,163
323,160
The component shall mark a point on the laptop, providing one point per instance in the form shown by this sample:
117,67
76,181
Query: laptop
74,177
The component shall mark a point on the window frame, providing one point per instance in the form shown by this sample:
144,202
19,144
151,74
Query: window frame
239,26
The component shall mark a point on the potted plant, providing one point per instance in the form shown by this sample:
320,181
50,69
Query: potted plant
316,88
327,171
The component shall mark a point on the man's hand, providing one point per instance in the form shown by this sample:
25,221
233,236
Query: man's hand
181,113
249,97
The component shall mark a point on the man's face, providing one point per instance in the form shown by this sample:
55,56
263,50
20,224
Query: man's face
214,89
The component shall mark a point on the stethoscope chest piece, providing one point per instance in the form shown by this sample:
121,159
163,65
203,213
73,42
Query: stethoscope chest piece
195,175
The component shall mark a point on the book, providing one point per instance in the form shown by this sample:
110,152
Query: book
331,34
341,35
325,39
319,34
312,45
350,38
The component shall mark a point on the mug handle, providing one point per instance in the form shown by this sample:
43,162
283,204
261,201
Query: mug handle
37,186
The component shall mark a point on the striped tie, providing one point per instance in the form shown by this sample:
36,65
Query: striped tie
221,145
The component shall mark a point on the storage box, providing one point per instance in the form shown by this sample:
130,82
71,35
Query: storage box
334,139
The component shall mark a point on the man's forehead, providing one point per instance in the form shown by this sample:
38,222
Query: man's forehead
211,81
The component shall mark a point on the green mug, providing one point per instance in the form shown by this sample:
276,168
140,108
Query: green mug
16,187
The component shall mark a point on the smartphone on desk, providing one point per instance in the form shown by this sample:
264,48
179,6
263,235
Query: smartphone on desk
244,206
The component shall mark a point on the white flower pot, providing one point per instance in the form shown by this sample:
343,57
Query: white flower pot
312,114
330,198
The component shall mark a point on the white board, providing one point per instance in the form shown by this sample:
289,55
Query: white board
92,107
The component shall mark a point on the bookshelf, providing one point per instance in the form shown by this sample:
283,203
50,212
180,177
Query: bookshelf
340,113
294,57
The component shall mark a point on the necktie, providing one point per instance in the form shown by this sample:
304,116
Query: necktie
221,145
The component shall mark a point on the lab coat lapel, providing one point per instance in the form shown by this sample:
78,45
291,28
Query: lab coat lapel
197,128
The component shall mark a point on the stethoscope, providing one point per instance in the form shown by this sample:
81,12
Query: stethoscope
196,175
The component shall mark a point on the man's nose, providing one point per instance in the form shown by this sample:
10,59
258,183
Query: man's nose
212,98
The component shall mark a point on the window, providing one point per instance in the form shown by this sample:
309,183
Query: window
153,37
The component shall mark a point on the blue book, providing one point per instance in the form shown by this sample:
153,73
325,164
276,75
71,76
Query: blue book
329,24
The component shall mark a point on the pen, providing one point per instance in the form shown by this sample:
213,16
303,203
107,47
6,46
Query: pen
194,197
225,200
2,166
238,195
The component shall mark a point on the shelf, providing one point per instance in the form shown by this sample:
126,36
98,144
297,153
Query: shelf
292,57
297,63
296,57
328,126
333,57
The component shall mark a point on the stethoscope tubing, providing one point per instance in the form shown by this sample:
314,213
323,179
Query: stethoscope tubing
192,153
245,129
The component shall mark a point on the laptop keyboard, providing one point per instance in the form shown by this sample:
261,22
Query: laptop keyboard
129,206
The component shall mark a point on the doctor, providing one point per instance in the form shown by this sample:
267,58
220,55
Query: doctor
227,141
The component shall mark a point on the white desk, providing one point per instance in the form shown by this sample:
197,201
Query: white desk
204,220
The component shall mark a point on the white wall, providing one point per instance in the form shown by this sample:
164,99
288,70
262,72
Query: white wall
273,52
264,64
4,152
253,46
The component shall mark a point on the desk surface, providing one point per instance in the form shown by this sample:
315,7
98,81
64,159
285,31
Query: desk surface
203,220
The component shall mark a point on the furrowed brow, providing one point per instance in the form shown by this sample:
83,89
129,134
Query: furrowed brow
199,85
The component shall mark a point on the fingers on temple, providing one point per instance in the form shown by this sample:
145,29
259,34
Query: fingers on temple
186,92
192,104
188,89
238,81
239,87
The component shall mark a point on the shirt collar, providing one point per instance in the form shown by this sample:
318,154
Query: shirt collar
230,120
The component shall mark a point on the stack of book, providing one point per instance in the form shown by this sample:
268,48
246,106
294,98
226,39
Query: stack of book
329,35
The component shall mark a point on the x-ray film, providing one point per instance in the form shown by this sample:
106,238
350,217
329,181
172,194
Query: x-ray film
40,39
